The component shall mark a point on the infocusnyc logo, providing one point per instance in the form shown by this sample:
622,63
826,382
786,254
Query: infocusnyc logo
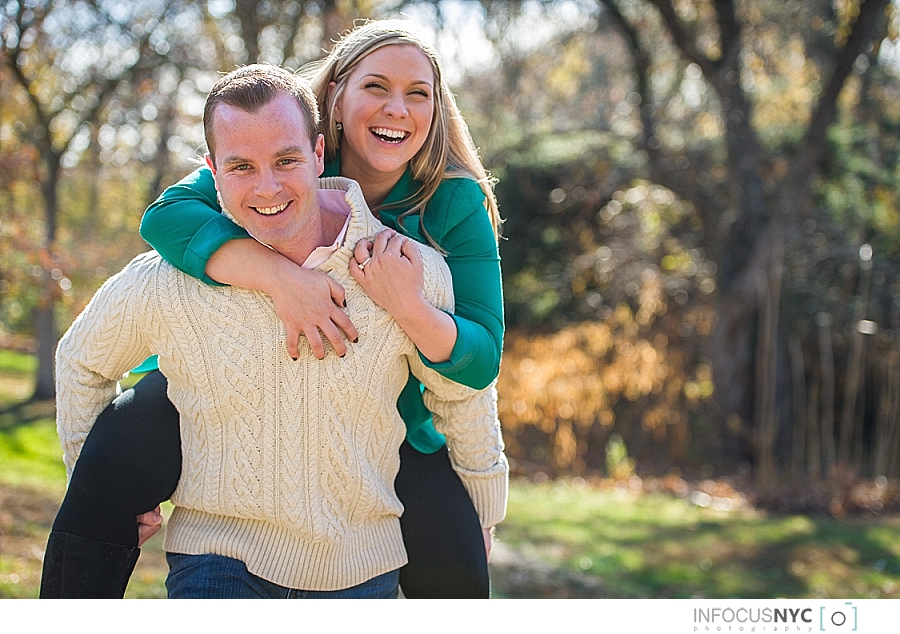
822,618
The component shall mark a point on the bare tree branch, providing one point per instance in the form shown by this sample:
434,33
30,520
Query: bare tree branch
683,40
662,171
871,13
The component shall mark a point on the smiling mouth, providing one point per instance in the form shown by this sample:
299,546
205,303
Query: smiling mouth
271,211
389,136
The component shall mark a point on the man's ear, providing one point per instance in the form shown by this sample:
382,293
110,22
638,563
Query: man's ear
209,163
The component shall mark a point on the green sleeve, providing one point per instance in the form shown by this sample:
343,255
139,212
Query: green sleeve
185,224
460,224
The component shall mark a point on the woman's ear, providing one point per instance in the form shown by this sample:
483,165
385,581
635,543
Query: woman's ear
329,98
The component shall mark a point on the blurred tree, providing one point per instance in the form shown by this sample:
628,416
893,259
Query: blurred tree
734,107
748,239
67,60
284,32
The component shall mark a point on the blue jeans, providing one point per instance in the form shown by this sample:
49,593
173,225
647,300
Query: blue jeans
218,577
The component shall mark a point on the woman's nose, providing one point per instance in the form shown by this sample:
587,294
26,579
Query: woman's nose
396,106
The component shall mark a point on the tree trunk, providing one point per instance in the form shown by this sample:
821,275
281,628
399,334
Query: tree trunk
162,162
44,323
246,13
850,431
765,410
44,318
826,357
798,393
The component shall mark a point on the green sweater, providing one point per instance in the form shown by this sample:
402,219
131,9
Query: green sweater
186,227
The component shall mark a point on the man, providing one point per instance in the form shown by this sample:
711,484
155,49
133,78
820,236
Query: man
287,479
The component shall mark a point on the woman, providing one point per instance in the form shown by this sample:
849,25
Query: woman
392,124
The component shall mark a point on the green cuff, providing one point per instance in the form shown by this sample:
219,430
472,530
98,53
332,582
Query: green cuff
149,364
209,239
464,349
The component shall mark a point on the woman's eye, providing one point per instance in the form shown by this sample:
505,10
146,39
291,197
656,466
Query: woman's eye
376,85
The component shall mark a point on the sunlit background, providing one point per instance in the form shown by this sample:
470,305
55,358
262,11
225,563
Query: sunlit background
702,199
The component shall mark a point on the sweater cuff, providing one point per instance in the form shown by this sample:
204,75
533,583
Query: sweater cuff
489,491
207,241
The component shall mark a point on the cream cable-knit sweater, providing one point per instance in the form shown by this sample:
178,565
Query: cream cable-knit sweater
288,465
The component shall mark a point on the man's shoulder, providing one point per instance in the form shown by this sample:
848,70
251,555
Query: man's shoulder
149,262
437,282
142,269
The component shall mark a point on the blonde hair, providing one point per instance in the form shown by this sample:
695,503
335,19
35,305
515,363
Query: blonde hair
448,152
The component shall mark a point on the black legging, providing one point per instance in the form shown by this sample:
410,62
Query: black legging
131,461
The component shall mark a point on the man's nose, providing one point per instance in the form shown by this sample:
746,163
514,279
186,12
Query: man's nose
268,183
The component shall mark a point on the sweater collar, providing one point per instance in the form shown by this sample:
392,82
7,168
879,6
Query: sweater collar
361,224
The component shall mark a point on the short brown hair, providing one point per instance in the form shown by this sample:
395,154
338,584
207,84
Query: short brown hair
252,87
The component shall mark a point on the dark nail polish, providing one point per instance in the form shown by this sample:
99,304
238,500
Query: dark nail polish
356,340
345,303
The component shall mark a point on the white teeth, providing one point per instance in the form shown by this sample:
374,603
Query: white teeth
397,135
271,211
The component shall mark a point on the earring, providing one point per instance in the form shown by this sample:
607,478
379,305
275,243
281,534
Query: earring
339,126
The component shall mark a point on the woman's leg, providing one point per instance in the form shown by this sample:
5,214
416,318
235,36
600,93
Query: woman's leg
130,462
441,530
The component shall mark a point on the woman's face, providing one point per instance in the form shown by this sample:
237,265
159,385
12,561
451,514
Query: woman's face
386,110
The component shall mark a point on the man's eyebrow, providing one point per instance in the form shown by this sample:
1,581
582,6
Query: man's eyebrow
291,150
231,160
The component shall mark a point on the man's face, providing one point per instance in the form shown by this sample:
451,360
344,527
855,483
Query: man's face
266,170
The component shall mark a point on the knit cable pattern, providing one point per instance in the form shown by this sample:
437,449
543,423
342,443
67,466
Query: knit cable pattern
288,465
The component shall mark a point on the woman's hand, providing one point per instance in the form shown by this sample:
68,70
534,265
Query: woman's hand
390,270
393,276
307,302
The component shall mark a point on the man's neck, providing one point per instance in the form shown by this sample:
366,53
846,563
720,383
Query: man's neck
321,232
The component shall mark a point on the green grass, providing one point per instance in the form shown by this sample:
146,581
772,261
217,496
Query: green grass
654,545
640,546
17,363
32,484
31,457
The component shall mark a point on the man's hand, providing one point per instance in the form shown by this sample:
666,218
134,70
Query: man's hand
488,534
149,524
